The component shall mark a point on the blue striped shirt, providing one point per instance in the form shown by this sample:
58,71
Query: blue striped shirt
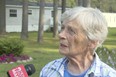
97,69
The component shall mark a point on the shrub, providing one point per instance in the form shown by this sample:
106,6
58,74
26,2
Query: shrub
108,56
11,46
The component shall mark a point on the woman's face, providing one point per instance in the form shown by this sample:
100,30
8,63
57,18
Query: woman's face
73,41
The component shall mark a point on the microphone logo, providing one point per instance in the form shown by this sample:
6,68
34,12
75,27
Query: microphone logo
17,72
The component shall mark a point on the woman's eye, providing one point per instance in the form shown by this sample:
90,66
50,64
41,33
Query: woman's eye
62,28
71,31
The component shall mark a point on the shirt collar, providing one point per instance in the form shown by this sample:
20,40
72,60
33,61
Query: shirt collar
94,67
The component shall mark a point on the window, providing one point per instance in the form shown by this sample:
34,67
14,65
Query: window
30,12
13,13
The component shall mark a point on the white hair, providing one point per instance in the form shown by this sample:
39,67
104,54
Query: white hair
91,20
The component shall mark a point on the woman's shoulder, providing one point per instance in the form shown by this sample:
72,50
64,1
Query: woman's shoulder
51,67
55,63
108,70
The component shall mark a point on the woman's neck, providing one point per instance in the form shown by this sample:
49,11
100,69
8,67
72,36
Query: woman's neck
79,63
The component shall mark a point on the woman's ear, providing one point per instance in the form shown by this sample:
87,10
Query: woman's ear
93,44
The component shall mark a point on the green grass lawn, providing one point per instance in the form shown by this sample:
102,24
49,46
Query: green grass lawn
46,51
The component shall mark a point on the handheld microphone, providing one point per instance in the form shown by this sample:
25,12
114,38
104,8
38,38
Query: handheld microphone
21,71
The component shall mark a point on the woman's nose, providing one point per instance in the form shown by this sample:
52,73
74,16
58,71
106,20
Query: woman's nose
62,35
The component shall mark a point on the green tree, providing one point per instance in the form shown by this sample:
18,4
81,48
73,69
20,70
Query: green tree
24,32
70,3
2,17
63,6
104,5
55,18
79,2
86,3
41,21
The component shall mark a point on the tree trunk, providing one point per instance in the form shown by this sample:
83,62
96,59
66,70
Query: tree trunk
55,18
79,2
86,3
63,6
2,17
41,21
24,32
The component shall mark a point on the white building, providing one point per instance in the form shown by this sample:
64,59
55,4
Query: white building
14,16
111,19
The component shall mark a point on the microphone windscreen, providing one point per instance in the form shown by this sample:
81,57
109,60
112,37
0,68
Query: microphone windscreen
30,69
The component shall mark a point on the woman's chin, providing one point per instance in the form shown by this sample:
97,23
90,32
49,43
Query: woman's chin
62,52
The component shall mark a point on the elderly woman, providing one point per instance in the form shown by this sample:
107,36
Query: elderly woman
83,30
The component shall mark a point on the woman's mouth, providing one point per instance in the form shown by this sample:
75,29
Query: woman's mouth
63,45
